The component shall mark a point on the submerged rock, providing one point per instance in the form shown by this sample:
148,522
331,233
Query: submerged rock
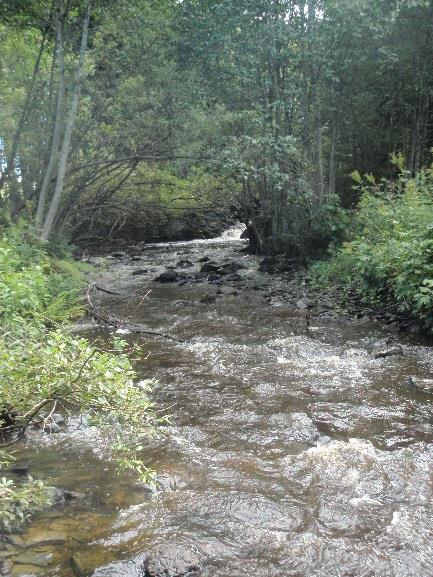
118,254
209,267
421,385
19,469
227,291
382,343
41,538
184,263
208,299
233,267
139,272
130,568
213,277
24,571
390,352
172,561
95,260
35,559
62,495
234,277
167,277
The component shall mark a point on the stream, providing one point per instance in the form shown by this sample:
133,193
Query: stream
289,453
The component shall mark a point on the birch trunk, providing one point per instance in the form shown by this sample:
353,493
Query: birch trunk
57,130
70,123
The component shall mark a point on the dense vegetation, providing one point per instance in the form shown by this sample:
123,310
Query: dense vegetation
158,119
45,369
388,256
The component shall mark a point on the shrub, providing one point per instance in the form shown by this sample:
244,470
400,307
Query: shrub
389,258
32,285
18,503
44,368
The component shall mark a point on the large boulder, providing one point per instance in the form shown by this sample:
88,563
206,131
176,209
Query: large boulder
167,276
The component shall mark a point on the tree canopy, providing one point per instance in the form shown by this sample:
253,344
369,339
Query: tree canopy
276,102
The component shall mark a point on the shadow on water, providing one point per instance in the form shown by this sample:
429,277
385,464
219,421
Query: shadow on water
288,454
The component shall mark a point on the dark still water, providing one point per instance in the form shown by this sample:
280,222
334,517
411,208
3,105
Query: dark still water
289,454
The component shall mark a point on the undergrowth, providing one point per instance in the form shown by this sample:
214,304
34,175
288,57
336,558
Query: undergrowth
388,256
44,368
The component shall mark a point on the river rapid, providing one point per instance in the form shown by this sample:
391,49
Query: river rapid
290,452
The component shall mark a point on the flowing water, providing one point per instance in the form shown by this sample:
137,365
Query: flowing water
290,453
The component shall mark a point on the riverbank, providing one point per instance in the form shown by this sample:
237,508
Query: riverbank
280,281
48,375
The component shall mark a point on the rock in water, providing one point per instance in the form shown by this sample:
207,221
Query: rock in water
391,352
20,469
184,263
167,276
172,561
139,272
304,304
208,299
421,385
209,267
234,277
213,277
36,559
231,267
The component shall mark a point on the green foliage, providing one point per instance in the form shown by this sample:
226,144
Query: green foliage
158,204
389,257
18,503
44,368
32,285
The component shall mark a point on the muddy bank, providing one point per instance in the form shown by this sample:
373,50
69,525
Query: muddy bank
292,450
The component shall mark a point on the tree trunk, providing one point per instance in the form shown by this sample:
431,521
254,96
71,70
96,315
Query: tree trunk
331,183
57,129
64,152
319,184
